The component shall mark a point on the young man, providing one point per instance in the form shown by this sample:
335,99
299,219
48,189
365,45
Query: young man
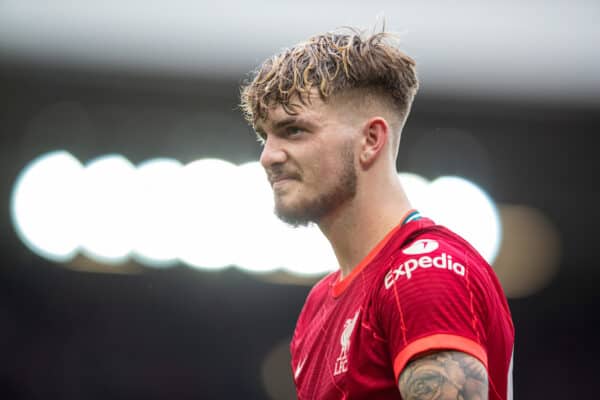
414,312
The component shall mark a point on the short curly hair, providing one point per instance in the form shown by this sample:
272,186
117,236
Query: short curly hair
332,63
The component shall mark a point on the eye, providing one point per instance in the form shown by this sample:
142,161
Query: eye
293,131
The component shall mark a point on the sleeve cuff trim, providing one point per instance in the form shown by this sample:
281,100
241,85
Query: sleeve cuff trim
438,342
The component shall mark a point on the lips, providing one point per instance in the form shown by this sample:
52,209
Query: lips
280,178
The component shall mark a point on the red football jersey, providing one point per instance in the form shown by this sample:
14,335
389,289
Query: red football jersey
422,288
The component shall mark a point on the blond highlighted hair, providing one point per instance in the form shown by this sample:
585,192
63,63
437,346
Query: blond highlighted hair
332,63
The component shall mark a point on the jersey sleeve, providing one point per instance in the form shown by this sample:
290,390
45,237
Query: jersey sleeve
433,297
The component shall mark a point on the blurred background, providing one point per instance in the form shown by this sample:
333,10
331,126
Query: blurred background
509,102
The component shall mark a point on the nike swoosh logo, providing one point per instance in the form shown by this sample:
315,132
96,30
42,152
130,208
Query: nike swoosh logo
299,368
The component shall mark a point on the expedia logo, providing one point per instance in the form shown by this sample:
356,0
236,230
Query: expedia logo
443,261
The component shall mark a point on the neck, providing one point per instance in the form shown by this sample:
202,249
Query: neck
356,227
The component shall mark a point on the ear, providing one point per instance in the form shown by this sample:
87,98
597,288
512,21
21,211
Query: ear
376,133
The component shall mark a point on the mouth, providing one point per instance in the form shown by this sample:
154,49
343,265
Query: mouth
280,180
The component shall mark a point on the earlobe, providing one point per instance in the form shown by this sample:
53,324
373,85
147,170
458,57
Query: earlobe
365,156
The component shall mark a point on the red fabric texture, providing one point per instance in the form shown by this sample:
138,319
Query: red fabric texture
426,289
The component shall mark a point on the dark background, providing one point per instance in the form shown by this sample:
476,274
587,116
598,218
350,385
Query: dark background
180,333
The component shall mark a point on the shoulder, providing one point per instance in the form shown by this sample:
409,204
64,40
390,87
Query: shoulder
434,254
435,276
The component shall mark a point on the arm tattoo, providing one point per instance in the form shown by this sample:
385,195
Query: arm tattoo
444,375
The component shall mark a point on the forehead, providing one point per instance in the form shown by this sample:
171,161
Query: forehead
313,110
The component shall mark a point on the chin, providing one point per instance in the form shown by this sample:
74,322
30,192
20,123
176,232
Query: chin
295,216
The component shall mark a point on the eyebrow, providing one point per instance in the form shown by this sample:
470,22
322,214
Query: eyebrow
287,121
291,120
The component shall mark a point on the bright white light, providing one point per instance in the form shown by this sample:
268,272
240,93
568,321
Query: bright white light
43,205
308,252
260,236
207,213
416,188
461,206
265,242
154,219
106,201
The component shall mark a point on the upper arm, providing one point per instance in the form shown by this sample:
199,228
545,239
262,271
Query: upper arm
444,375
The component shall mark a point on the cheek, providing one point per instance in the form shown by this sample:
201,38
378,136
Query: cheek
324,163
323,170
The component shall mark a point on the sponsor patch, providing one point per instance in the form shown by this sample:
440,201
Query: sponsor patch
410,266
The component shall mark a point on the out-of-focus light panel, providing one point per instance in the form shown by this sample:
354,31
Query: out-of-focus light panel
462,206
45,207
105,194
122,35
154,219
530,253
207,214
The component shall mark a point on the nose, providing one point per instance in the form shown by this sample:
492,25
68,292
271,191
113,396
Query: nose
272,152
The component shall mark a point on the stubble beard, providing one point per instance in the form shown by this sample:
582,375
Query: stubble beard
313,210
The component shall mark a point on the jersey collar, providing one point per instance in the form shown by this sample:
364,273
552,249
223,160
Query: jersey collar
341,285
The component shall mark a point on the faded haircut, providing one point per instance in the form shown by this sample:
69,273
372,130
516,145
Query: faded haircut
332,63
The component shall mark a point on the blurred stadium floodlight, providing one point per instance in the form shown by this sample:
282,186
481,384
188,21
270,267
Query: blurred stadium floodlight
155,220
208,217
468,210
105,193
207,214
44,208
